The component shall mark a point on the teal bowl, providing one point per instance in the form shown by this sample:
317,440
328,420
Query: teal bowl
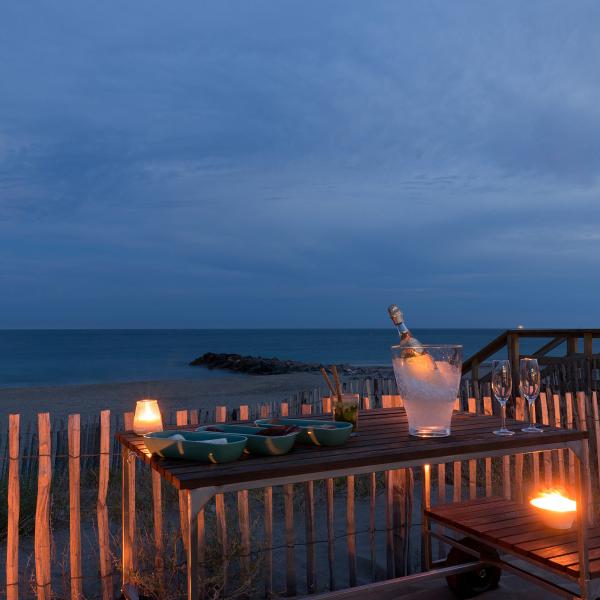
313,431
196,445
262,445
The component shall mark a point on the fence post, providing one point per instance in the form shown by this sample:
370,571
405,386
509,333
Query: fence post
42,510
74,438
101,508
12,540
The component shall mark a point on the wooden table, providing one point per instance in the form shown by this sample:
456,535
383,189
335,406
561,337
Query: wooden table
382,443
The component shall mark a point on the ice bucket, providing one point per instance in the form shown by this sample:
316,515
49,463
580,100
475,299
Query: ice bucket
428,378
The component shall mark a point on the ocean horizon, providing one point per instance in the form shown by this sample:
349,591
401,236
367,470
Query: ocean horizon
48,357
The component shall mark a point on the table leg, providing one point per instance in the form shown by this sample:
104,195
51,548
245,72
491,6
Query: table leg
581,487
196,499
426,504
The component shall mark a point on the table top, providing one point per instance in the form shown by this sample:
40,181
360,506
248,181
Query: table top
382,442
518,528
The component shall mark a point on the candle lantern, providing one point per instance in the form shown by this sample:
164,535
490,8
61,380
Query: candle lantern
556,511
428,377
147,418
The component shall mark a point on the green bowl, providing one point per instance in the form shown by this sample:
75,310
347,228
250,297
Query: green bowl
196,445
263,445
313,431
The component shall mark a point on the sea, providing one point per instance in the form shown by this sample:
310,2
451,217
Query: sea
59,357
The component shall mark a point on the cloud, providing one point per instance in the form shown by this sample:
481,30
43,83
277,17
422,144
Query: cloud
437,153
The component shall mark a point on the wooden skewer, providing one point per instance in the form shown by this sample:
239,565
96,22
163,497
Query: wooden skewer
328,382
338,385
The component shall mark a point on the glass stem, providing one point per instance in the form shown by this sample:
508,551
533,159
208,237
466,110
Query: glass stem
503,417
531,424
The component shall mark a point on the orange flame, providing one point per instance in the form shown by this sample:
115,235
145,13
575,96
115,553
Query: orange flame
553,500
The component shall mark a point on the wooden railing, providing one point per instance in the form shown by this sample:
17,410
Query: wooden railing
71,464
511,338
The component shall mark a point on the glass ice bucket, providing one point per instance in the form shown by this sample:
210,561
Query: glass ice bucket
428,378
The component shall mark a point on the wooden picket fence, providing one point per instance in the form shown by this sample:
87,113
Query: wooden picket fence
379,535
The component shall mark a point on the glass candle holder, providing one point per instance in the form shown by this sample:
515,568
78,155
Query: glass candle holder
428,382
147,418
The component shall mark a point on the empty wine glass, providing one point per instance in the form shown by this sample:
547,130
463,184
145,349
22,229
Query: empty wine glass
502,388
529,384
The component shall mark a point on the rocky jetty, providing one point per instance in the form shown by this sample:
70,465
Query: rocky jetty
259,365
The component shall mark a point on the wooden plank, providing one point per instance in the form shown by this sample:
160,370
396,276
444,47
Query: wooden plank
220,414
560,455
389,523
157,517
548,479
131,472
268,524
570,425
181,417
14,504
305,409
104,553
506,484
284,409
426,505
244,525
351,531
520,416
309,527
581,404
488,410
372,523
74,438
288,510
472,408
42,510
326,404
596,428
244,413
221,518
457,481
201,557
441,474
330,534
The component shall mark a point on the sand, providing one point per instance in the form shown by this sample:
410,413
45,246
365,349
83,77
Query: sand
229,390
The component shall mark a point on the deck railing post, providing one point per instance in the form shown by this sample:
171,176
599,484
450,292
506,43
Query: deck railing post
513,357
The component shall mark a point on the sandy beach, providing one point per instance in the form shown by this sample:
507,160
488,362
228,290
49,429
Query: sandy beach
229,390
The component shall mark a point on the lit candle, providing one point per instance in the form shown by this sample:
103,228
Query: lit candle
557,511
147,417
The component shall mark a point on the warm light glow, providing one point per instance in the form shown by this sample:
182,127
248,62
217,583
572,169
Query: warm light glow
554,501
421,366
147,418
557,511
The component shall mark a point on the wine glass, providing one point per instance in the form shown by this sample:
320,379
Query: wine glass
529,384
502,388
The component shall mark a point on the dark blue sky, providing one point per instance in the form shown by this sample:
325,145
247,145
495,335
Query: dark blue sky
277,163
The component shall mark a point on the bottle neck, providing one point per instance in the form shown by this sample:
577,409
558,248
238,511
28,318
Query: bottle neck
403,330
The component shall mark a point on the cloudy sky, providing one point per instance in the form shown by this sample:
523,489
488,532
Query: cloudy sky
299,163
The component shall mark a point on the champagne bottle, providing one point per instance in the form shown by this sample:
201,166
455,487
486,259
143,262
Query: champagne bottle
411,346
406,337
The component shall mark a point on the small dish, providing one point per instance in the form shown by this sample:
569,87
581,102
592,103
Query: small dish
196,445
313,431
259,444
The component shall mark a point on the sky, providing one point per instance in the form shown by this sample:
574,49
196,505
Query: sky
299,163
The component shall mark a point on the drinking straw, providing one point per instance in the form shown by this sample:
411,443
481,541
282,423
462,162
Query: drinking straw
338,385
331,388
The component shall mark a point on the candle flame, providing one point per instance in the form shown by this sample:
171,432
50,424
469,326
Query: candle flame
554,501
